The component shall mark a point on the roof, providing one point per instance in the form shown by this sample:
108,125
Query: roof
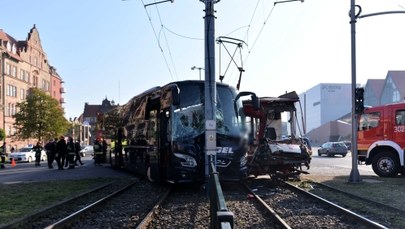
399,79
92,110
376,86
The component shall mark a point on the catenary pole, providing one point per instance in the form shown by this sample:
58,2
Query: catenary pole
209,85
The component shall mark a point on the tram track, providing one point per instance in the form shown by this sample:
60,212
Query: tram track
181,207
115,205
389,215
45,214
300,209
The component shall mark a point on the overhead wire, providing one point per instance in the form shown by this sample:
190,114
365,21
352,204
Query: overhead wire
260,32
167,43
183,36
158,41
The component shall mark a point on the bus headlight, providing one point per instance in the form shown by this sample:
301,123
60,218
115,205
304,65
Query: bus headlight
243,161
188,160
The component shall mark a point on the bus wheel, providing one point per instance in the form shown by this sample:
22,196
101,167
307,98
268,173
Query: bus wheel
149,174
386,164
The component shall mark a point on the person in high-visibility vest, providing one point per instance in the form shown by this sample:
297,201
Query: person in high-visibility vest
38,151
3,155
71,153
98,151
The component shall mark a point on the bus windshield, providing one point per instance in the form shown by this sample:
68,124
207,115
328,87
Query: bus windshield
189,120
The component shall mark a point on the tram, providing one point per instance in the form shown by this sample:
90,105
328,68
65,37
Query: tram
164,131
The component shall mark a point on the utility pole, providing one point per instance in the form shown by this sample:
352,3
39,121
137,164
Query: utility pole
210,85
354,174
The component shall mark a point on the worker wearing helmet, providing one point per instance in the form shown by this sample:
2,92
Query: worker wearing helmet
98,151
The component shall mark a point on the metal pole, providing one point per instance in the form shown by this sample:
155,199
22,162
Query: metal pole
210,86
354,174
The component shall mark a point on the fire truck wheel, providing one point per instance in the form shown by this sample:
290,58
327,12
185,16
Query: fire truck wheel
385,164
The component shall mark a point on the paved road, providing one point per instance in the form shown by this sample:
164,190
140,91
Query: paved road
337,166
28,172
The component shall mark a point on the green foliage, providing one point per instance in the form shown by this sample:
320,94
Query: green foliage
2,134
111,121
40,117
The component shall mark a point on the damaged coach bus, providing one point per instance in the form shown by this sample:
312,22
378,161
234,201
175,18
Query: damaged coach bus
164,128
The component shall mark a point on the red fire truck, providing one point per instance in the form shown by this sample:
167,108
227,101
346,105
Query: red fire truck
381,139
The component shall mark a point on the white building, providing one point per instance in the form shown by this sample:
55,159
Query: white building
324,103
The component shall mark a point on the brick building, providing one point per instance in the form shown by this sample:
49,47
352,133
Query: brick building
23,65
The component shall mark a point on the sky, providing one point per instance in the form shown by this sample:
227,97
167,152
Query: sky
117,49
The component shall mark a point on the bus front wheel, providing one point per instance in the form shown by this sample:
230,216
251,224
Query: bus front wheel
149,174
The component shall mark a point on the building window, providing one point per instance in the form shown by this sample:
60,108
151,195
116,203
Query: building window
14,71
396,96
22,94
8,69
11,90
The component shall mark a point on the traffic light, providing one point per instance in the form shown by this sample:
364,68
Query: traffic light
359,100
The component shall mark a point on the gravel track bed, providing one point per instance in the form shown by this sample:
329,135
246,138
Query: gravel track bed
300,211
248,213
126,210
185,207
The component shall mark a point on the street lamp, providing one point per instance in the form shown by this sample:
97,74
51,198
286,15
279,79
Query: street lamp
199,69
354,174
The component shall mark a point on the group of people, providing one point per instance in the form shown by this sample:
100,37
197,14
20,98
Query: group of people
66,154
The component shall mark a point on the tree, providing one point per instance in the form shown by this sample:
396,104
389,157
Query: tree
2,134
39,116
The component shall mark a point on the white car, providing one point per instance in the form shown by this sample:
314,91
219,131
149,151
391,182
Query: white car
86,150
26,154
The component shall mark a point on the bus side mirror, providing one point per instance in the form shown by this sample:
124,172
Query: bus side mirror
256,102
175,95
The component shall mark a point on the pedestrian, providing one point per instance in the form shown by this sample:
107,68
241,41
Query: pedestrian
71,153
78,148
61,148
3,153
38,151
104,144
50,148
98,151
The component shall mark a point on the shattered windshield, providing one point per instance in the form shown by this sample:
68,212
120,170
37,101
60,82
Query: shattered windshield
189,120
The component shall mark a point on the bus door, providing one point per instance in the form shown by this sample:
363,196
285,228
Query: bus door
152,139
164,145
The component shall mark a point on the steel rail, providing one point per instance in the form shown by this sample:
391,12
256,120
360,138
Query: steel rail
282,223
388,207
31,217
352,214
149,217
69,219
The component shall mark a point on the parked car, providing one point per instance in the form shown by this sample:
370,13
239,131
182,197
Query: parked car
333,148
26,154
86,150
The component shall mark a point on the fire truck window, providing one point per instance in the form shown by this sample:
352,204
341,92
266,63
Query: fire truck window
369,120
400,117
